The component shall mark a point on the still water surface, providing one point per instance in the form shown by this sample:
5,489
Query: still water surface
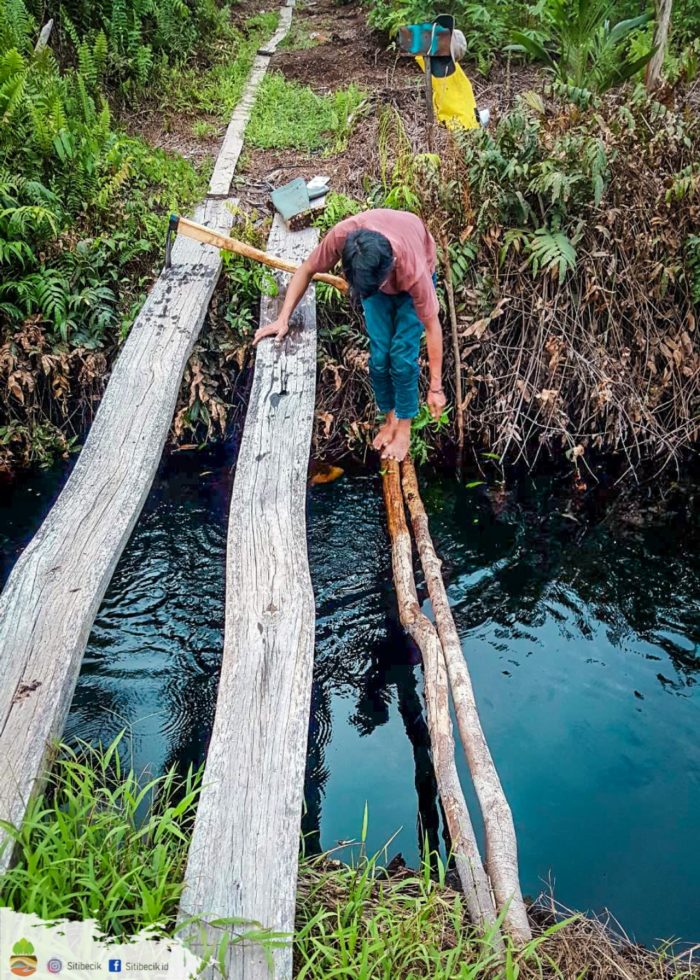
582,640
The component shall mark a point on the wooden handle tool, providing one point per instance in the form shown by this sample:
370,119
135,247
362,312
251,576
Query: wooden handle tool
200,233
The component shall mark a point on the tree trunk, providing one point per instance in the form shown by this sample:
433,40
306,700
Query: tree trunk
471,872
663,23
501,844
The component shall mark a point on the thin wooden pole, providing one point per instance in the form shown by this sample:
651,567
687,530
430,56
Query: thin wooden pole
429,111
477,893
459,399
200,233
501,843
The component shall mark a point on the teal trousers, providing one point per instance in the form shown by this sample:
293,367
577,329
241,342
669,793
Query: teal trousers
394,346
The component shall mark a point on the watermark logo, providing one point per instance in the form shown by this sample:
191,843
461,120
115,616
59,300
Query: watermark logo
54,965
23,961
115,966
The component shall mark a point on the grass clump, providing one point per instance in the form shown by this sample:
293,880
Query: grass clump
365,922
287,114
298,38
218,89
102,843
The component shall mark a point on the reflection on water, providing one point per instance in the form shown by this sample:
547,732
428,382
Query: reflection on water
581,638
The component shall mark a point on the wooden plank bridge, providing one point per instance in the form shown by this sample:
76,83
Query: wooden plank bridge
243,856
54,591
244,852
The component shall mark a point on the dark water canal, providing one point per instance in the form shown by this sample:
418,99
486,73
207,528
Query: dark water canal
581,636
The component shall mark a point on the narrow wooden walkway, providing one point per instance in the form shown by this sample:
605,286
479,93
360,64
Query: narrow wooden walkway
53,593
243,856
227,160
52,596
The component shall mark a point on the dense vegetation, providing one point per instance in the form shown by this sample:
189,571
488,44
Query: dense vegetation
571,232
591,41
570,225
83,206
572,236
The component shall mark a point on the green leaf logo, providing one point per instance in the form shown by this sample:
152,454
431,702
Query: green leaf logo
23,948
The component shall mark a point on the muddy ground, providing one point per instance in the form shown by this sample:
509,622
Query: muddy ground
331,46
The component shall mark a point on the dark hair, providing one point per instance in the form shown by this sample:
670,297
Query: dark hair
367,258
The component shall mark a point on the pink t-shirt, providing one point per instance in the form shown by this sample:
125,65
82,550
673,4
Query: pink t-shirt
411,243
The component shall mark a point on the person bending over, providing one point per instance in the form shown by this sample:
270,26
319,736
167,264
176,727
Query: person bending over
388,258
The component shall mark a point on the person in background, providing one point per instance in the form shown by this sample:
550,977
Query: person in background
388,258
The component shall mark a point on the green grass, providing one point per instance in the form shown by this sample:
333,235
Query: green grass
103,844
218,89
298,38
287,114
203,130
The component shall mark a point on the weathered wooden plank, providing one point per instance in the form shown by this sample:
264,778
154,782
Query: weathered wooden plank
243,856
227,160
53,593
285,22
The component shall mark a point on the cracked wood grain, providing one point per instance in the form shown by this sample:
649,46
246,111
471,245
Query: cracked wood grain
244,852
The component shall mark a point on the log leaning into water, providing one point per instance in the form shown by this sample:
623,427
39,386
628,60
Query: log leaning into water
501,842
54,591
475,885
244,852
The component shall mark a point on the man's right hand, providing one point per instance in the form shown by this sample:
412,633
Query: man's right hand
278,328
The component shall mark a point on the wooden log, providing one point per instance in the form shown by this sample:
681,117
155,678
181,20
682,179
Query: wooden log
227,160
501,842
477,894
652,73
244,852
53,593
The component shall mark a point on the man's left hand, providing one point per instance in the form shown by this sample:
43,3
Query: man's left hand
436,402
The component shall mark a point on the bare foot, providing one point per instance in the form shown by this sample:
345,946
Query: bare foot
386,432
398,447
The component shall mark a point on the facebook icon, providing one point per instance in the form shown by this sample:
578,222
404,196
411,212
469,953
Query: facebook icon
115,966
